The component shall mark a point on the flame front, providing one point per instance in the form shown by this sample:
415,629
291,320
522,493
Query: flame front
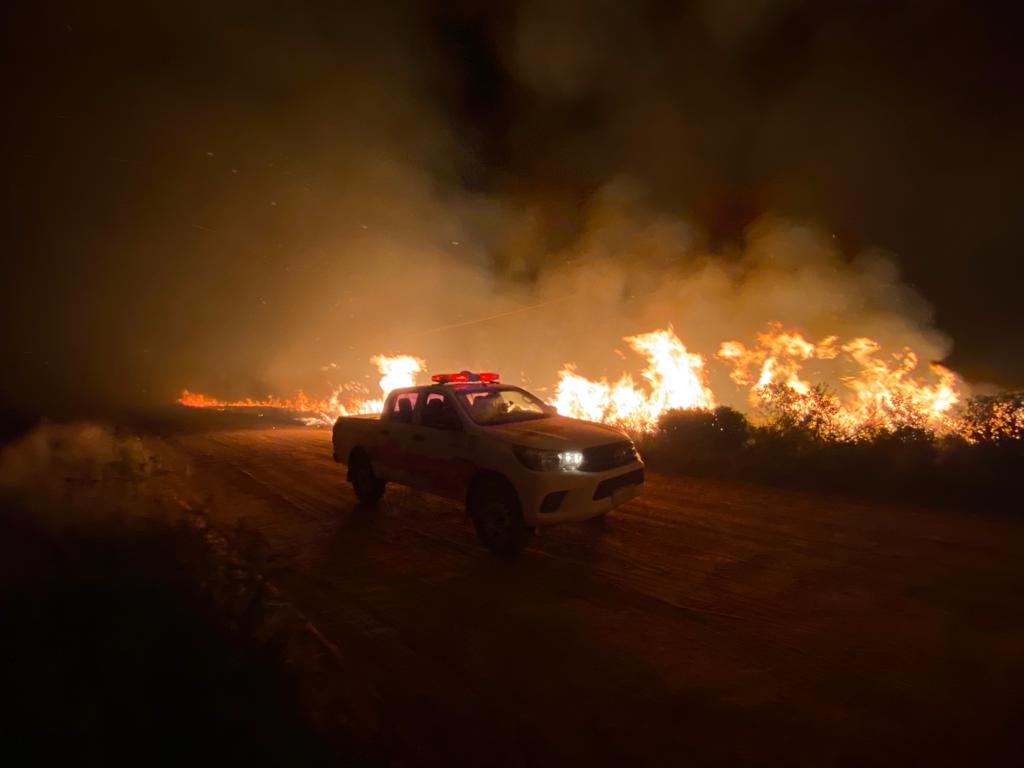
876,392
396,371
675,379
882,396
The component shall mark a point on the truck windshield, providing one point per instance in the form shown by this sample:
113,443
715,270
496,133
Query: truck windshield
501,406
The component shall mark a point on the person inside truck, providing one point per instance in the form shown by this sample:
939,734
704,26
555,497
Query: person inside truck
404,412
487,407
439,413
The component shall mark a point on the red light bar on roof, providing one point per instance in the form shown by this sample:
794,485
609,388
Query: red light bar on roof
463,376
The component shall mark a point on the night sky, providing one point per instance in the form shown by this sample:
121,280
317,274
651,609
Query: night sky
191,186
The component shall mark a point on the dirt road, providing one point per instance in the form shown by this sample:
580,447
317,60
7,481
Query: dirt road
704,623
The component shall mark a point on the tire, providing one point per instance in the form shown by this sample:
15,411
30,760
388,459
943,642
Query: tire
366,485
498,517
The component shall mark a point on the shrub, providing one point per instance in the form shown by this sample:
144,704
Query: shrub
698,431
811,415
797,446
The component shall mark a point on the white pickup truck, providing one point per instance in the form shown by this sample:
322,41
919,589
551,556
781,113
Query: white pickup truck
510,457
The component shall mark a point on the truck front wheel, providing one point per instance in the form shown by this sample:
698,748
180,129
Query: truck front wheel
364,482
494,507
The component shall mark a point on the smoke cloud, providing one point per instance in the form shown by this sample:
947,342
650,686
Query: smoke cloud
54,463
254,199
630,270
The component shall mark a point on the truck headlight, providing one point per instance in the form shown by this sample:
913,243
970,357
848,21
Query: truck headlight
570,461
542,460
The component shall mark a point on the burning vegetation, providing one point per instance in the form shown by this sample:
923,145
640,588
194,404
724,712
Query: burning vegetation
395,371
674,379
843,391
883,395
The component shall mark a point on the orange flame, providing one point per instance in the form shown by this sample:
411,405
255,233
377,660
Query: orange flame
882,393
396,371
675,379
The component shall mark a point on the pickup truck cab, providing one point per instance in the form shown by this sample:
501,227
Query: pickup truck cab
513,461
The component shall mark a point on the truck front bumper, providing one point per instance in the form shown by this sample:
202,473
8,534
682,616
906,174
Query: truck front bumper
562,497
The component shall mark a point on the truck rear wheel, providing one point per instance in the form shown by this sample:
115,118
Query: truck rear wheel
364,482
497,516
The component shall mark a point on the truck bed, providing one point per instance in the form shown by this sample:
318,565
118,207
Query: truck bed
349,431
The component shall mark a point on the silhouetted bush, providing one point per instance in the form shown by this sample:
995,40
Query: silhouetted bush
696,431
799,416
797,445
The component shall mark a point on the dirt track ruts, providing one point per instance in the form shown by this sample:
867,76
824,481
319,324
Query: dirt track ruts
703,623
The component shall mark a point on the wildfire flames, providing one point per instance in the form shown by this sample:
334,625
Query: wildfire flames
882,395
395,371
876,391
674,376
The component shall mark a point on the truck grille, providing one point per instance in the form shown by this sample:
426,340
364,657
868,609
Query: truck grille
602,457
607,487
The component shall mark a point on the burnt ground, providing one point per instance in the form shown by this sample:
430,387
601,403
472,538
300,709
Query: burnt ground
705,623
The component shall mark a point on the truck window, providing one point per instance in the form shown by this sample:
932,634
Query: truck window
440,413
402,407
492,405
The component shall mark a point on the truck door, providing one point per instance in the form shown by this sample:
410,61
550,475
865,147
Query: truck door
443,449
393,455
